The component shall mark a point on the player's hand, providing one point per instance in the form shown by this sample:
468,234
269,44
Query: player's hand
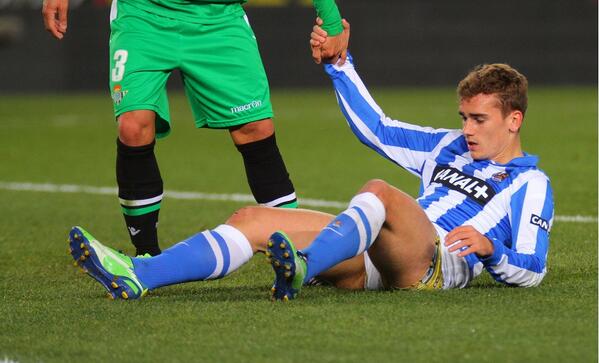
317,39
332,48
54,13
473,240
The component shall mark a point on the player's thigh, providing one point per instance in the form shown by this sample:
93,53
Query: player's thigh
142,55
349,274
405,245
223,75
257,223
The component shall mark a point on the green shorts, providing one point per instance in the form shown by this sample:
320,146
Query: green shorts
220,65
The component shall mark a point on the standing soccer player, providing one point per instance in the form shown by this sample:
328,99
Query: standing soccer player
212,44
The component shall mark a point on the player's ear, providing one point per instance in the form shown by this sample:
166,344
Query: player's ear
515,120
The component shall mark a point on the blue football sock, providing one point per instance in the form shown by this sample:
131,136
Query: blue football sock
348,235
208,255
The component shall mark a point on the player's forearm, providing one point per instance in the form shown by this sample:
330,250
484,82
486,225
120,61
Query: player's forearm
524,263
329,13
513,268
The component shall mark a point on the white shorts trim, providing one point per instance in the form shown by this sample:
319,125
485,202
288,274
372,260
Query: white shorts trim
456,273
373,279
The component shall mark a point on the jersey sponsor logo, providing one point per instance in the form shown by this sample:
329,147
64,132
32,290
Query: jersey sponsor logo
248,106
477,189
538,221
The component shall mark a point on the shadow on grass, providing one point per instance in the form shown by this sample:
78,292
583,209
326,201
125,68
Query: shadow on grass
205,293
211,292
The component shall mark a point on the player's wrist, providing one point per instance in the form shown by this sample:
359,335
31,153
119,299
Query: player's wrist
495,256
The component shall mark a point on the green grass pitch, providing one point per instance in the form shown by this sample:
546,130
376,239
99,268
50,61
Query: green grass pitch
50,312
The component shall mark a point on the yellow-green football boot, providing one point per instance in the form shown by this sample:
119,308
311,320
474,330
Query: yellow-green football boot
111,268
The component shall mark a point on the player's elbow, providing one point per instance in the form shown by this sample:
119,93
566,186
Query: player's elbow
527,277
533,280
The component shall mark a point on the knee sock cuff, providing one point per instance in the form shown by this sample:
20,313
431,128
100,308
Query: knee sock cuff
256,145
373,208
235,235
370,200
134,150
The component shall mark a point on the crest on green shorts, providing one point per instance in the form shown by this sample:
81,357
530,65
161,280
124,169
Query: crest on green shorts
118,94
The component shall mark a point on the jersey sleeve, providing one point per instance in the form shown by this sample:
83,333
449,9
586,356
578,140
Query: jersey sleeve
405,144
523,264
329,13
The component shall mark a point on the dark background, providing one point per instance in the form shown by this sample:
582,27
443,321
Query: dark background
407,42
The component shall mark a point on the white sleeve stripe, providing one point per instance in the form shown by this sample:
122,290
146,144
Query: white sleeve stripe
517,275
357,81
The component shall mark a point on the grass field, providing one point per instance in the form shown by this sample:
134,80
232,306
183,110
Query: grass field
50,312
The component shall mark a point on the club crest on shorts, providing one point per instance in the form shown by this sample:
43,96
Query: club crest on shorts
118,94
499,177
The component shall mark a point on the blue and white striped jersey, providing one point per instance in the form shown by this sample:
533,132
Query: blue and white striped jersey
511,204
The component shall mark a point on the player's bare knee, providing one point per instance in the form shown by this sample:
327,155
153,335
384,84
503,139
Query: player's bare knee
253,131
243,216
377,187
136,128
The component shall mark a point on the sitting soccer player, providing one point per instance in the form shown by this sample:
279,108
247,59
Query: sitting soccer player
483,204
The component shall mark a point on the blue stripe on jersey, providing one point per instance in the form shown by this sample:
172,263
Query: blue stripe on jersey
501,232
439,193
457,215
414,140
534,263
547,214
451,151
225,251
471,259
516,204
366,226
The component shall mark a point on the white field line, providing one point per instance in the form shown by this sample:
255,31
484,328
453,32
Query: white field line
241,198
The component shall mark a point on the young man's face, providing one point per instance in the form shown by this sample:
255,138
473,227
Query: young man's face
489,134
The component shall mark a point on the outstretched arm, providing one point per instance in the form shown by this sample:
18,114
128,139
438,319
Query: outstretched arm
405,144
54,13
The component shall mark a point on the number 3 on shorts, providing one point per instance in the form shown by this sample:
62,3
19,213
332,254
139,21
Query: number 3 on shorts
120,58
